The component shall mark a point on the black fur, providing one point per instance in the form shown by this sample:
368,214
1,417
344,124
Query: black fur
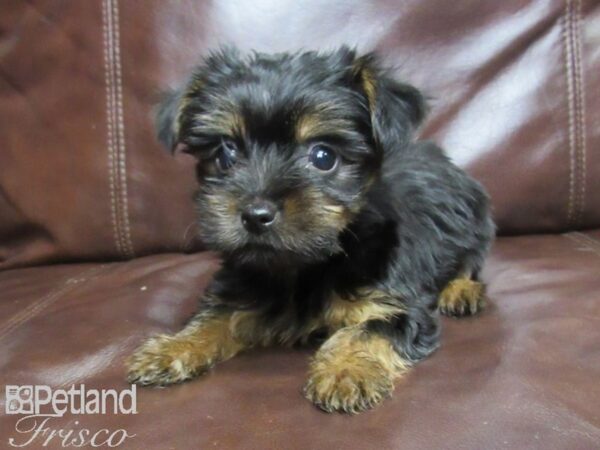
414,220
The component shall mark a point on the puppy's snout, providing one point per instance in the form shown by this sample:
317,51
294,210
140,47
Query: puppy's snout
259,215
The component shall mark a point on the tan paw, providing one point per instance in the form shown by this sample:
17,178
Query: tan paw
164,360
462,297
351,389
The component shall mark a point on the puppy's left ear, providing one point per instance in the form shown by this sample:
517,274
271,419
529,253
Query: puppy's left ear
396,108
167,119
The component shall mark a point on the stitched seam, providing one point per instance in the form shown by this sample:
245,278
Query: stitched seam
122,167
33,310
107,42
580,117
570,100
115,136
576,111
586,243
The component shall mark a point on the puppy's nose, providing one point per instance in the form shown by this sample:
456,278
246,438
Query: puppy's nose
258,216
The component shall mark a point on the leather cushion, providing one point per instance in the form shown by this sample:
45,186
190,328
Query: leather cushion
522,375
514,87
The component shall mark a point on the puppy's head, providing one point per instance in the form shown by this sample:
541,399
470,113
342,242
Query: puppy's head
288,146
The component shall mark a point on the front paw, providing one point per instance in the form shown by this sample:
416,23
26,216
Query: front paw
164,360
348,388
462,297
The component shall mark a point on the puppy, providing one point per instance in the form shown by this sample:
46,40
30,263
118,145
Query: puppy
333,224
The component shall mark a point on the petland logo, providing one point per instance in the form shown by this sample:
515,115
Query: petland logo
40,404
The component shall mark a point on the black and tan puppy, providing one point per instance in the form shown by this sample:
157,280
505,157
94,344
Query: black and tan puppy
332,222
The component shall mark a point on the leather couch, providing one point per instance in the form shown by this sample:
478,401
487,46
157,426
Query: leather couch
97,242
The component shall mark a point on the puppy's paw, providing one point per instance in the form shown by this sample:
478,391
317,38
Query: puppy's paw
164,360
348,388
462,297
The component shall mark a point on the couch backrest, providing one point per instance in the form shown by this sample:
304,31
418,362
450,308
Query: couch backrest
514,88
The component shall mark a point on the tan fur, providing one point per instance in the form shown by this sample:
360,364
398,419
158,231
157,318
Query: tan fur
227,122
338,313
366,305
311,208
353,371
343,312
308,125
462,296
250,328
368,83
206,340
196,85
224,205
183,104
166,359
314,124
192,91
293,206
368,80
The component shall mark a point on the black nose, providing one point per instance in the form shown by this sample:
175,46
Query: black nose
258,216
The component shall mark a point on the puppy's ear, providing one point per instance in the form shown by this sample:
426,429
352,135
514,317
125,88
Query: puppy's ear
170,119
167,119
396,108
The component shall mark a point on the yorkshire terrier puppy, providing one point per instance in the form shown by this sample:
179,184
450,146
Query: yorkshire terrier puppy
334,225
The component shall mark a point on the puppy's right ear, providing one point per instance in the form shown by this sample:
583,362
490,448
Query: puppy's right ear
167,119
396,108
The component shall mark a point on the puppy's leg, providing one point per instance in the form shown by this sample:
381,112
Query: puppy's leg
463,296
376,341
353,371
208,338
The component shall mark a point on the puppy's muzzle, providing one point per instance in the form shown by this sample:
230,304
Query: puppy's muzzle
259,215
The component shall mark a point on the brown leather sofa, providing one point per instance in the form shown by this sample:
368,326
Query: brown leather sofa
97,246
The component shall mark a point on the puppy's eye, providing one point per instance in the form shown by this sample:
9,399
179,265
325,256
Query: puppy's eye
226,155
322,157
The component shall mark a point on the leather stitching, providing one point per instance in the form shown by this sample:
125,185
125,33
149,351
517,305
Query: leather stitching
109,86
580,109
122,167
568,76
576,112
117,166
33,310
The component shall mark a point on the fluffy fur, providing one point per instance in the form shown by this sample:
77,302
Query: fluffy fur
358,256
